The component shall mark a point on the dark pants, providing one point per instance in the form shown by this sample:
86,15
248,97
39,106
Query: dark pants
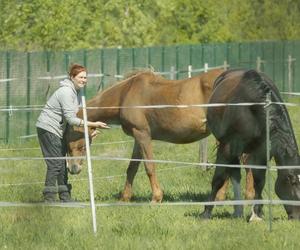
53,146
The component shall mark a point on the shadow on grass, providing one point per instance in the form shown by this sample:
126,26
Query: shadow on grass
183,197
218,215
116,197
187,196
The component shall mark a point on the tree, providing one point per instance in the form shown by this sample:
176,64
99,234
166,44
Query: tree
64,25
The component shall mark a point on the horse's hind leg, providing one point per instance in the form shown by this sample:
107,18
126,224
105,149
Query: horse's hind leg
249,192
131,172
144,140
221,195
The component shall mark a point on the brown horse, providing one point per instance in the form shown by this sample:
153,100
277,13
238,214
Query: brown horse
242,129
170,124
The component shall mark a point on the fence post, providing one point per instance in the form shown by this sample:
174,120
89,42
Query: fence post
203,143
190,69
28,114
226,66
101,85
290,73
172,73
268,143
177,62
67,61
7,95
89,163
133,58
48,61
118,61
149,57
259,62
162,66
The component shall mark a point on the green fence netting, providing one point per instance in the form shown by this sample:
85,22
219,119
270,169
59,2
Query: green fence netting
28,79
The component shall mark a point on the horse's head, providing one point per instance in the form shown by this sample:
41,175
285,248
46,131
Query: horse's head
76,147
287,187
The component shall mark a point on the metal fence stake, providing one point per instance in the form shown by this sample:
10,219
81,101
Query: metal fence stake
89,164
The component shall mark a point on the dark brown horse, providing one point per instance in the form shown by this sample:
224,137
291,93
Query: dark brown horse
242,129
170,124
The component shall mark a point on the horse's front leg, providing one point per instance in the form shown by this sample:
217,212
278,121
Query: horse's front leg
235,175
131,172
144,140
259,176
220,177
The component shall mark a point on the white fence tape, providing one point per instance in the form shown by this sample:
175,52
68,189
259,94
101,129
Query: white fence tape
145,204
38,148
118,76
161,106
103,158
8,80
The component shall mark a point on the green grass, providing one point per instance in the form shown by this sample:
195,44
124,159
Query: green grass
131,227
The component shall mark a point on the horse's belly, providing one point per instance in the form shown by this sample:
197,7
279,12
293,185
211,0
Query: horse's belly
180,135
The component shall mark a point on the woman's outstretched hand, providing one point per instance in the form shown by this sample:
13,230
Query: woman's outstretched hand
99,124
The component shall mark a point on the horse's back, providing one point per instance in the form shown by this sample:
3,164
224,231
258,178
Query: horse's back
153,89
241,85
237,124
174,124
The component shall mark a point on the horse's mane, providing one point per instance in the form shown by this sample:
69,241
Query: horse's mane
259,86
139,72
125,83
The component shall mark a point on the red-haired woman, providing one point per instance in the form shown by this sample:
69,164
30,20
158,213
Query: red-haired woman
60,109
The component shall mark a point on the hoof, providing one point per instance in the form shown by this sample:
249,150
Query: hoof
125,198
157,198
237,215
205,216
238,212
255,218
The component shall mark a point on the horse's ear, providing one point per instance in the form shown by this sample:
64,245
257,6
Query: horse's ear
93,133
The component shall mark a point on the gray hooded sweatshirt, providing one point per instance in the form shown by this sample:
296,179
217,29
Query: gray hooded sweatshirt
60,109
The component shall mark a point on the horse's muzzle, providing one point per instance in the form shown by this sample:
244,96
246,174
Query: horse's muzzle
294,216
74,169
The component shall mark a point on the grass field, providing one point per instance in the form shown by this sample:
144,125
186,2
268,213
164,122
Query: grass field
130,227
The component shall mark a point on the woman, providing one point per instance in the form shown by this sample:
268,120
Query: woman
60,109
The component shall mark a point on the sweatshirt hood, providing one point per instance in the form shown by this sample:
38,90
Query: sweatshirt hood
67,83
